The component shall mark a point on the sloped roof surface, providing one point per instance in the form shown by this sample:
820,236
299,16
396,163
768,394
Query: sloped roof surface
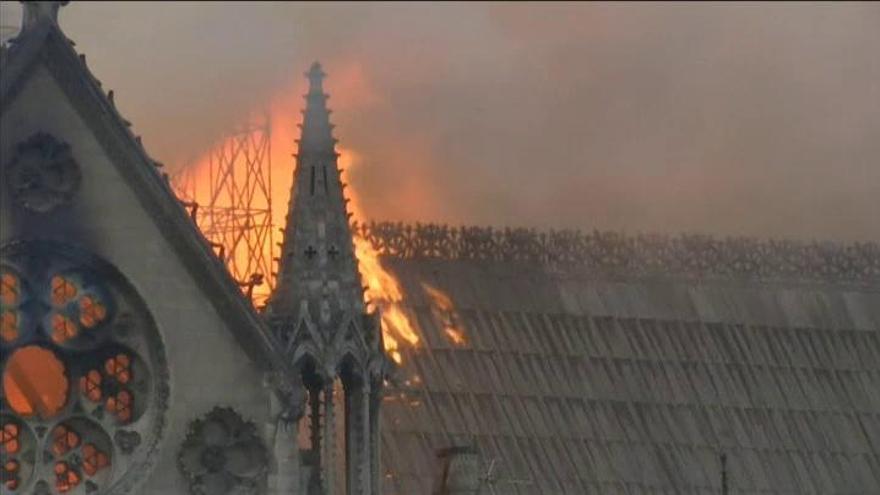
591,372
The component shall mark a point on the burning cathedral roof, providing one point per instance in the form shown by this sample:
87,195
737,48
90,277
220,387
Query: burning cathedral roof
602,363
580,362
605,363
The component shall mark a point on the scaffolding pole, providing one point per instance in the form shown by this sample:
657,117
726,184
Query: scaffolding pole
230,196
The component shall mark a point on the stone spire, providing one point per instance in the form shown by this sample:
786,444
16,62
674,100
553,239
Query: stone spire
318,274
36,13
317,311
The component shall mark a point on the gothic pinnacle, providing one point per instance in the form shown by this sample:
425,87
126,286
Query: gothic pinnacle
317,237
316,78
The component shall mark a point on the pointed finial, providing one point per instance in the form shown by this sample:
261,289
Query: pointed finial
39,12
316,78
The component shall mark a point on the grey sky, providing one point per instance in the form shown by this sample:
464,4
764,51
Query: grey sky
731,119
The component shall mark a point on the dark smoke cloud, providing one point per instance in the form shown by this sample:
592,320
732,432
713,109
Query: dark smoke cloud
733,119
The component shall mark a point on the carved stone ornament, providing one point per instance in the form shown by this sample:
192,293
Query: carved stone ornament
127,441
223,454
43,174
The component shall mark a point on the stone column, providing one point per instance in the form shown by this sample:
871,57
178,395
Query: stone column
375,401
315,424
286,410
358,440
366,464
286,478
328,451
348,401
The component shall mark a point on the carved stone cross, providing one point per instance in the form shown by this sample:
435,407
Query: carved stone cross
311,251
333,251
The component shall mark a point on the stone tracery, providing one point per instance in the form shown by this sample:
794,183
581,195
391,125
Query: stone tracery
18,449
81,374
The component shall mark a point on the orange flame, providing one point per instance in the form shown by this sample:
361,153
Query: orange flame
438,298
445,310
383,288
349,89
455,335
192,183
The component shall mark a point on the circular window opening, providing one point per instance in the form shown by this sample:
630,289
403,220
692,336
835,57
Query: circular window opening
35,382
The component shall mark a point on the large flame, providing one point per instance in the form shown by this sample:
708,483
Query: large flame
384,291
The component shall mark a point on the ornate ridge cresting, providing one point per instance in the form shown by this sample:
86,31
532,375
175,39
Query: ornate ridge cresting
613,253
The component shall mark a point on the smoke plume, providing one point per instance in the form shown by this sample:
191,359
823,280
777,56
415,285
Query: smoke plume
731,119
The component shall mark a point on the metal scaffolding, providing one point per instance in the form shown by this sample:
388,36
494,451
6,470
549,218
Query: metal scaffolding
230,197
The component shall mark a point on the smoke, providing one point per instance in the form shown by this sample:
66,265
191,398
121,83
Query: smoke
732,119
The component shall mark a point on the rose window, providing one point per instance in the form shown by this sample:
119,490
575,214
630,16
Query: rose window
17,448
84,378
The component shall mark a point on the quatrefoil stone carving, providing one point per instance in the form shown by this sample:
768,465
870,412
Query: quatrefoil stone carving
43,174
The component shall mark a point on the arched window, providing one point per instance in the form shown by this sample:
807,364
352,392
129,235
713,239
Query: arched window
84,377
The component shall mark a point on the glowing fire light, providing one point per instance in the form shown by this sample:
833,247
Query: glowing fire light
383,289
245,235
445,309
456,336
